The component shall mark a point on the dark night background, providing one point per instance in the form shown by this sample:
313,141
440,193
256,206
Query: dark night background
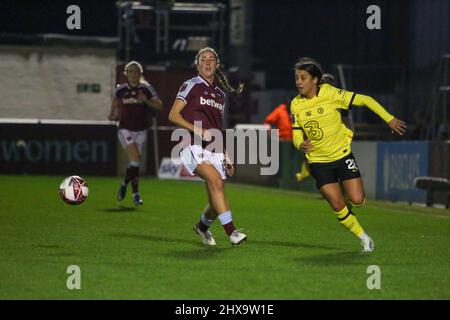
413,34
330,31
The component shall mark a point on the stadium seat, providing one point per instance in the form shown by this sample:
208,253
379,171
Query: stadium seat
431,185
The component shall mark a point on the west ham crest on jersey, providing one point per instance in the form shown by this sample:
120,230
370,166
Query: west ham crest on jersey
183,87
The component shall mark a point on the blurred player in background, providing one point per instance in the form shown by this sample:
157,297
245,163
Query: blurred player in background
319,132
280,118
131,106
200,99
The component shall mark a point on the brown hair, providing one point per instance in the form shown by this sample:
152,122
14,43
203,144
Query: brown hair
226,84
220,76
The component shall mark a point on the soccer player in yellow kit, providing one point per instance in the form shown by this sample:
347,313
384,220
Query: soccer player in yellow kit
319,132
304,171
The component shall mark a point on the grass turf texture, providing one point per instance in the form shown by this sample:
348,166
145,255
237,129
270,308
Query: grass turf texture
296,247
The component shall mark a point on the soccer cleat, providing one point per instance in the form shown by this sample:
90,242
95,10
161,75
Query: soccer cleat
300,176
236,238
303,173
122,192
207,237
137,199
367,245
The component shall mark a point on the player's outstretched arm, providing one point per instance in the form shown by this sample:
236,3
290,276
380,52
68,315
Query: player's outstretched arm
395,124
398,126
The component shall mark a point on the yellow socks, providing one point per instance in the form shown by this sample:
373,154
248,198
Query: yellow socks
348,220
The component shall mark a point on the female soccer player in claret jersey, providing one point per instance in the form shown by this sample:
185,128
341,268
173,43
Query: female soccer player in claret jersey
319,132
200,100
132,106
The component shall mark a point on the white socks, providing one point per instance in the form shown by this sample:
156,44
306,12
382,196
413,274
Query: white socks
206,221
225,217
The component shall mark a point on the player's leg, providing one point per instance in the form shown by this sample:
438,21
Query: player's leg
127,141
332,193
303,173
215,187
133,171
209,213
135,155
353,187
327,181
355,192
219,163
202,226
190,157
350,177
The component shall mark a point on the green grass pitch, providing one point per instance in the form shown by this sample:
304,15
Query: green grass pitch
296,248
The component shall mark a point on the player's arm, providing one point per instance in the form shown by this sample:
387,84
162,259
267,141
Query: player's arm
177,118
395,124
299,138
114,113
154,102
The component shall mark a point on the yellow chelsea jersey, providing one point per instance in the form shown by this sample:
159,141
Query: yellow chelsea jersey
320,119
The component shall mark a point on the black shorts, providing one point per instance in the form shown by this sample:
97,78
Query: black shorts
336,171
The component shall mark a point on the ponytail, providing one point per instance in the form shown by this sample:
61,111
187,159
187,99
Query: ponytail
143,81
226,84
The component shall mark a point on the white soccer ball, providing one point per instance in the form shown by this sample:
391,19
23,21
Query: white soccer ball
73,190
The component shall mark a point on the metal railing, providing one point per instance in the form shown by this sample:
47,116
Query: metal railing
163,25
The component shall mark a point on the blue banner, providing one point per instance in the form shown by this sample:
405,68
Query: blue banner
398,163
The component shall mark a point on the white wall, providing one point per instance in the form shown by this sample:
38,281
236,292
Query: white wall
41,82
